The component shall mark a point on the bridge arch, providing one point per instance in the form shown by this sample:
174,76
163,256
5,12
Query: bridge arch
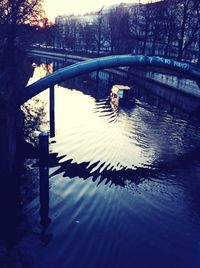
104,63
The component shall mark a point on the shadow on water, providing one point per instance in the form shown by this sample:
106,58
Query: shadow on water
120,177
90,85
83,170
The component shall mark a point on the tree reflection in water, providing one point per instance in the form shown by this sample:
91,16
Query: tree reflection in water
35,119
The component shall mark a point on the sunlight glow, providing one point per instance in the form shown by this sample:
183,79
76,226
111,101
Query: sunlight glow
41,24
78,7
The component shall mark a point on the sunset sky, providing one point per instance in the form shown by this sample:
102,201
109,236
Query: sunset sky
56,7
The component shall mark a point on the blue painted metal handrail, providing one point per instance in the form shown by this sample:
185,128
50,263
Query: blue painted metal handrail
104,63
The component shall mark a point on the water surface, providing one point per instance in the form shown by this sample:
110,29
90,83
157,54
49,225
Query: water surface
124,185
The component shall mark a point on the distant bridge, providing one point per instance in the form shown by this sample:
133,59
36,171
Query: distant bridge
104,63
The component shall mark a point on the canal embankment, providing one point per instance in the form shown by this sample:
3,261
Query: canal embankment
184,93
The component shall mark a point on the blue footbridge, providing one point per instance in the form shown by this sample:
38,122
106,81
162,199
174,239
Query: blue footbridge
107,62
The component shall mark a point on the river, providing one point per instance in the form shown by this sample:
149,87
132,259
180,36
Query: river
124,184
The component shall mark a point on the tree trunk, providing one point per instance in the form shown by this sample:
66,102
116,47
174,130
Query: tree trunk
182,34
11,122
153,46
198,60
11,37
8,142
144,45
145,39
167,45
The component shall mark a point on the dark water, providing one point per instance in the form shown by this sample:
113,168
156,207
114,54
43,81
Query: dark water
124,185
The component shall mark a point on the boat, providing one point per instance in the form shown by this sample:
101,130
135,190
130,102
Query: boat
120,94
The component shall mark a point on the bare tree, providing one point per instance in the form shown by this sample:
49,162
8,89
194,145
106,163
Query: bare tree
88,36
119,29
101,31
71,28
168,30
187,24
14,13
135,31
157,34
145,24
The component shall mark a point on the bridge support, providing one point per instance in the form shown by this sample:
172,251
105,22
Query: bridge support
52,111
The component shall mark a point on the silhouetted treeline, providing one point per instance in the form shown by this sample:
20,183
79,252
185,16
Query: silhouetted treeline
19,20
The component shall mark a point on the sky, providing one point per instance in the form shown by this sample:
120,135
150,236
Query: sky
59,7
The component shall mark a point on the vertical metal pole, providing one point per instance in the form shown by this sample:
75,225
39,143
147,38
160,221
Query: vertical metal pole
44,148
44,180
97,82
158,102
52,111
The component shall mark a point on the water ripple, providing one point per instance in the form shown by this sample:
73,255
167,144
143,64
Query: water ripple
112,141
124,184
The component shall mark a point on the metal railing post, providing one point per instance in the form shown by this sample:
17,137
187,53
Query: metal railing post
52,111
44,180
